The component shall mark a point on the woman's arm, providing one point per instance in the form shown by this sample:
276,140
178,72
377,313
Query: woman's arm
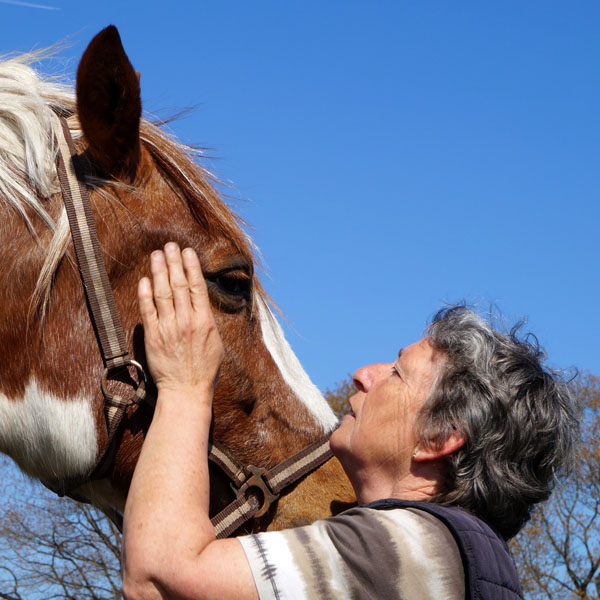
169,546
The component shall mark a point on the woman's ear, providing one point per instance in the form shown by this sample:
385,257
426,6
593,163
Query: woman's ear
452,444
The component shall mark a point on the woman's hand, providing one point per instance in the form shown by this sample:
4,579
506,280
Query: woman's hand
183,346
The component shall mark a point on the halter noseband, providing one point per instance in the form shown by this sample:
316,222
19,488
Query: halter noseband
255,487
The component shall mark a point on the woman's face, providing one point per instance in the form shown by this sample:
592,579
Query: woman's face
379,437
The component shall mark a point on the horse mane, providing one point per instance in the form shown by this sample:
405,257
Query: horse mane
30,103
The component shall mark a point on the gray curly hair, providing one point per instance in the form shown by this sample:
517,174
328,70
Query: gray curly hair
518,417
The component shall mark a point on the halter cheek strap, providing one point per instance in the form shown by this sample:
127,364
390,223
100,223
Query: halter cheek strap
100,300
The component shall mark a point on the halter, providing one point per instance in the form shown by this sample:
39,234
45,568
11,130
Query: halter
255,488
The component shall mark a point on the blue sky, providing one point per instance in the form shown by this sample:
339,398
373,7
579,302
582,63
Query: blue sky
388,156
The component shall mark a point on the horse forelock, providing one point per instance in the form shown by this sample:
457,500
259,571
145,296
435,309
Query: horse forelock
196,185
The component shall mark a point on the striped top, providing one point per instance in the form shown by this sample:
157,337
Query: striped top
403,553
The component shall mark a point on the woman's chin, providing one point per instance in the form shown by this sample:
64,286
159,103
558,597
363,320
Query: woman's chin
340,438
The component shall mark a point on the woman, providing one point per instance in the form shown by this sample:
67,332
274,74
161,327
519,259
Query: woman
447,448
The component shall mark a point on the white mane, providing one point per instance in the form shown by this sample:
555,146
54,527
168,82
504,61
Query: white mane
27,120
29,105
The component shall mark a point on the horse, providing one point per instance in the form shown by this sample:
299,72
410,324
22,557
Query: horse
145,188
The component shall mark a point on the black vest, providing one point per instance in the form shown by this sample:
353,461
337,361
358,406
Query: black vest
490,573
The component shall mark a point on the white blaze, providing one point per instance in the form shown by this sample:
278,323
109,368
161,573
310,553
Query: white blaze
291,369
47,436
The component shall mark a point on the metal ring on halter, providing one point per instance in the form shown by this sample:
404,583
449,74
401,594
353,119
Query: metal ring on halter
143,382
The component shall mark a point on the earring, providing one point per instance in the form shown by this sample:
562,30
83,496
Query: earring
415,452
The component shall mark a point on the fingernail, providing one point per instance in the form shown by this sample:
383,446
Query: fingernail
171,247
157,256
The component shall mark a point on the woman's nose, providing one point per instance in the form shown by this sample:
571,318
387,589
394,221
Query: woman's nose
364,377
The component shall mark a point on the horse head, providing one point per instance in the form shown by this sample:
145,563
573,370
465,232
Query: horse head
145,189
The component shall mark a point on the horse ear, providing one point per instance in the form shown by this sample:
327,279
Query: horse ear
109,104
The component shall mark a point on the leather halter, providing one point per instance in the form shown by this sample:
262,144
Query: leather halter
255,487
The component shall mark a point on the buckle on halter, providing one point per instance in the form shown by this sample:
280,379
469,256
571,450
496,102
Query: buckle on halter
257,481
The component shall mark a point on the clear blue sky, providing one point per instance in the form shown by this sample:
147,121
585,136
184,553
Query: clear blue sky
389,156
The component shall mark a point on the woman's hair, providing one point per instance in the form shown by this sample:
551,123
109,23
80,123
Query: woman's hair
518,418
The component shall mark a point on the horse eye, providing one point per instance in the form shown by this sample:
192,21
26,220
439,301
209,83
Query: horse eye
235,283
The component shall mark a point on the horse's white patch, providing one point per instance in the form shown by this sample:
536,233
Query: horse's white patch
291,369
48,437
